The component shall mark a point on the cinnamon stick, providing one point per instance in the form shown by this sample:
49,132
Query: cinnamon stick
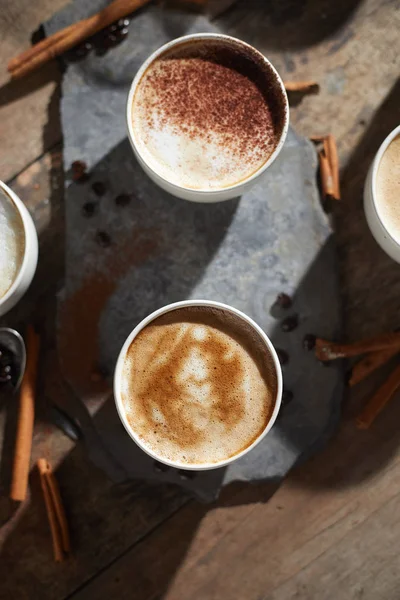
26,415
55,510
69,37
379,400
16,62
332,155
304,87
326,175
325,350
370,363
51,515
59,509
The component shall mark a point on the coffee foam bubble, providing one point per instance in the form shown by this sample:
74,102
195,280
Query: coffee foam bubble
203,115
12,243
388,188
198,385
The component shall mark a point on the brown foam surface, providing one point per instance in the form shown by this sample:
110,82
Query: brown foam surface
208,114
198,385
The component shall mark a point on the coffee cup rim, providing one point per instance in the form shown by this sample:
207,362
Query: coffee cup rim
118,376
184,39
377,161
28,239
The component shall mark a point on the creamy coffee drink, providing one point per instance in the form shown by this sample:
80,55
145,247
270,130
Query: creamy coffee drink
388,188
207,114
12,242
198,385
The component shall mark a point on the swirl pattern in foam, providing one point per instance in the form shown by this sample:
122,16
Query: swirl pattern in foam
12,243
207,115
198,385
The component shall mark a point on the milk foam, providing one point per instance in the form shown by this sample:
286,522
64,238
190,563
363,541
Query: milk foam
225,136
388,188
195,392
12,243
187,160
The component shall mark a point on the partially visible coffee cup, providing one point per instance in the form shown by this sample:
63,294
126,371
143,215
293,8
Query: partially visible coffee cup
207,114
197,384
18,248
382,195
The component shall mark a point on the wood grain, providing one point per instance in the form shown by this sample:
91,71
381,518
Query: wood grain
29,126
330,532
311,540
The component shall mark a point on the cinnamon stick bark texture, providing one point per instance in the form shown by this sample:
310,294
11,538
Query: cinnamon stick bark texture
326,175
55,511
26,416
69,37
325,350
304,87
379,400
332,154
370,363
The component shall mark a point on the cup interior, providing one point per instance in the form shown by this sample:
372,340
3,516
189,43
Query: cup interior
262,61
120,365
20,208
377,161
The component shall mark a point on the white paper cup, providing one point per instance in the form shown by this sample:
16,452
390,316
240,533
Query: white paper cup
385,239
119,369
29,261
198,195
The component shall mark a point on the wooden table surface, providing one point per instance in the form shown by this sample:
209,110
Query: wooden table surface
331,531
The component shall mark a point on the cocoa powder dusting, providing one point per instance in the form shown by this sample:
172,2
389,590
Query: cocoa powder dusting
216,90
80,313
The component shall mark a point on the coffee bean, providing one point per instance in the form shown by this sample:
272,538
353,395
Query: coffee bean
122,200
281,304
79,166
88,209
99,188
103,239
112,38
309,341
6,358
122,34
284,300
79,52
79,174
283,356
122,23
290,323
8,371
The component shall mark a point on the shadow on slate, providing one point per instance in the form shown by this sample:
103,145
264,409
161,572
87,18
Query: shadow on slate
160,249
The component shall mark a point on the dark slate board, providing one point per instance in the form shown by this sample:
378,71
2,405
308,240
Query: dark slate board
243,252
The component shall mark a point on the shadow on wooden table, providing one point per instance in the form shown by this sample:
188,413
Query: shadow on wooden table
130,540
356,456
291,24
